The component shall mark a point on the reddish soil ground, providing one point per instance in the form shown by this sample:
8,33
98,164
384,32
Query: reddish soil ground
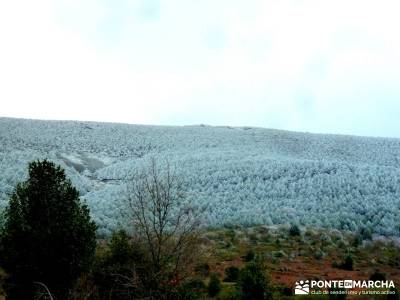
305,268
300,269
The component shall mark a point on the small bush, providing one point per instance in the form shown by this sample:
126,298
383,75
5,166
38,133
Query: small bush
249,256
231,235
253,238
214,286
228,292
279,253
121,249
262,230
113,267
252,283
203,269
357,241
192,289
283,291
231,274
319,254
365,234
348,263
378,276
325,239
294,230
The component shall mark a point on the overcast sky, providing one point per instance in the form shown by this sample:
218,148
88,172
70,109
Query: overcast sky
305,65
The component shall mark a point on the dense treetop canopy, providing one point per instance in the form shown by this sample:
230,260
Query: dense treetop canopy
237,174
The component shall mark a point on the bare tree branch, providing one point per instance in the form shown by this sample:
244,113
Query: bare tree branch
168,226
47,291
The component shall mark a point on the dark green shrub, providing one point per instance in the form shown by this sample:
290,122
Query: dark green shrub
378,276
120,247
112,270
365,234
348,263
228,292
294,230
357,241
214,286
279,253
231,235
252,283
202,269
231,274
192,289
394,294
249,256
286,291
49,235
253,238
319,254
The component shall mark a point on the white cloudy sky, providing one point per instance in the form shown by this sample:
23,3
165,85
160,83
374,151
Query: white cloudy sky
307,65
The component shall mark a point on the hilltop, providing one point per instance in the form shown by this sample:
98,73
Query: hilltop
238,175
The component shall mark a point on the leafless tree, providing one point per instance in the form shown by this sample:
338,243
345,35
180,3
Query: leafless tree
165,223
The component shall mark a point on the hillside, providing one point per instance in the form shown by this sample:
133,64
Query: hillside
238,175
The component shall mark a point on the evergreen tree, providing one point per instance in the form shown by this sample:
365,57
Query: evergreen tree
253,284
231,274
48,236
113,269
214,286
348,263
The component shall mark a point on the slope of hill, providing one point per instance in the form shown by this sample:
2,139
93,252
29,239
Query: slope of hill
238,175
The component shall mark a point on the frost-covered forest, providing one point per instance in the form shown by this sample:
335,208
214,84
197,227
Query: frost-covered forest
238,175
